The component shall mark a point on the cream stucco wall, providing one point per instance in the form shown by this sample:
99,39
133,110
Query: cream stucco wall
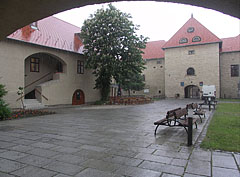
154,77
205,61
12,57
229,85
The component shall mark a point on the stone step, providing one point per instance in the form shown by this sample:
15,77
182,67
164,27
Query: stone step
33,104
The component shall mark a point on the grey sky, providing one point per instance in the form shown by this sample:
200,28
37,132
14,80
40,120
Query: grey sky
159,21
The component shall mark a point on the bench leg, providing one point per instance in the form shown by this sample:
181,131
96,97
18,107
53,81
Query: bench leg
196,124
155,132
200,118
185,129
190,122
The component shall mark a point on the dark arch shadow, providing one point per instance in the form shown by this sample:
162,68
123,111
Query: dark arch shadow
17,14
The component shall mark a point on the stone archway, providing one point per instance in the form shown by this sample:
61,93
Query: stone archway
78,97
40,68
191,91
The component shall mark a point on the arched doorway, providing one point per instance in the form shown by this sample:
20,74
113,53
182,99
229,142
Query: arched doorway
78,97
192,91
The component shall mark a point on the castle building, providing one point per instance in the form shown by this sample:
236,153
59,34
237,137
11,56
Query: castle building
45,58
191,58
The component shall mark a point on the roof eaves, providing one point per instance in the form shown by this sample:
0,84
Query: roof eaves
44,46
192,45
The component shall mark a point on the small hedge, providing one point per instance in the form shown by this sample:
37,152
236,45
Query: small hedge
18,114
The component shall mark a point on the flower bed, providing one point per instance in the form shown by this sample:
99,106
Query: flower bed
28,113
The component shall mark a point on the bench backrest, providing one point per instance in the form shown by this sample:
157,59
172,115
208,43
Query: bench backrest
189,106
194,105
171,112
180,113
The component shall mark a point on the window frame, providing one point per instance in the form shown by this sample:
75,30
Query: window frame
191,52
80,67
196,39
34,64
190,73
183,40
234,70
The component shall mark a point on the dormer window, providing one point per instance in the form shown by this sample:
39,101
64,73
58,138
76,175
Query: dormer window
183,40
196,39
34,25
190,30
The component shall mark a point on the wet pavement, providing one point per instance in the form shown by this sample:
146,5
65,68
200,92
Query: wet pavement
109,141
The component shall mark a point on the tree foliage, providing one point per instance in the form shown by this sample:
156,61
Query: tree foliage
135,82
112,47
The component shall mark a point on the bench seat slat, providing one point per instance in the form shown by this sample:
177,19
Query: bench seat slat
159,122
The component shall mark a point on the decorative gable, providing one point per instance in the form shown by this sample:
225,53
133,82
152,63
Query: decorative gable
191,33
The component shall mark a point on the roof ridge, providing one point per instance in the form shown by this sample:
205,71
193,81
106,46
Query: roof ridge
65,21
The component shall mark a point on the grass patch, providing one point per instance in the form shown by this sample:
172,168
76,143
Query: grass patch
231,100
223,131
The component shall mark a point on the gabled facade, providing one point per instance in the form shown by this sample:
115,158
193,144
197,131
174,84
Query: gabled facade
194,57
46,59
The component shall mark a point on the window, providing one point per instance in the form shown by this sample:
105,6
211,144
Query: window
80,67
196,39
34,64
183,40
190,71
234,70
190,30
191,52
159,61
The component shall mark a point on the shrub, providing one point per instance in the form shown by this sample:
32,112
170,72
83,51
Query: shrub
4,109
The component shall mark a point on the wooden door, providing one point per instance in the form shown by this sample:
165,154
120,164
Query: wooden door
78,98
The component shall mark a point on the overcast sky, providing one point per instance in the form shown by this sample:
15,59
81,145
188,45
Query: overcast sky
159,20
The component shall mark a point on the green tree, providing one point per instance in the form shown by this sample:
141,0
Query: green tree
112,47
4,110
135,82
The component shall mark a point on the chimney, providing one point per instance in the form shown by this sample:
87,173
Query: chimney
77,42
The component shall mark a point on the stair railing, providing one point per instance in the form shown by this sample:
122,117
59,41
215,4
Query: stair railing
41,94
36,89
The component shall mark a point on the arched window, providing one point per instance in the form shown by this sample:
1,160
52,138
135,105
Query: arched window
190,71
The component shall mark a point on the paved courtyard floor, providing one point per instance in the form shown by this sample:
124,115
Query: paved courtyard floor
108,141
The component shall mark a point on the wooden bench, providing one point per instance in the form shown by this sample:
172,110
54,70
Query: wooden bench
198,111
167,121
182,120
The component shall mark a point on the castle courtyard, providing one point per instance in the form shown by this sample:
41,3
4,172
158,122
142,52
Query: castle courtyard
111,140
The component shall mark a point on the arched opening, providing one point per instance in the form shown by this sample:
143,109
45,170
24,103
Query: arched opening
190,72
192,91
78,97
41,68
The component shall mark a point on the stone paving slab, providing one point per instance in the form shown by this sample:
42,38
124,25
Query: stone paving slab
31,171
109,141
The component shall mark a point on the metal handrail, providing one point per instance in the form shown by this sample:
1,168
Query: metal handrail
36,89
38,79
41,94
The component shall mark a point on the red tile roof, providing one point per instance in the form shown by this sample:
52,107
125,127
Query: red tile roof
199,30
231,44
51,32
154,50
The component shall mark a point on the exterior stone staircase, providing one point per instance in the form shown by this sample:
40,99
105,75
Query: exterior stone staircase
33,104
